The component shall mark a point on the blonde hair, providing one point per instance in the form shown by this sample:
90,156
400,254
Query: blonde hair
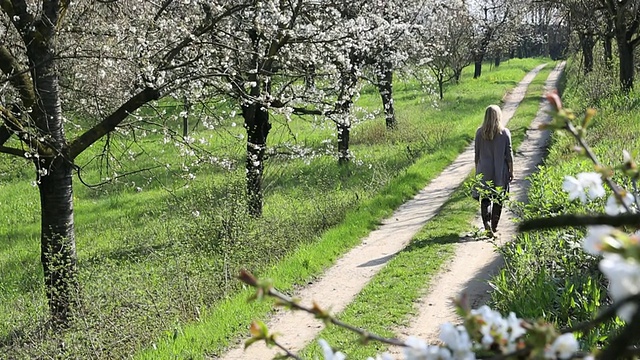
492,124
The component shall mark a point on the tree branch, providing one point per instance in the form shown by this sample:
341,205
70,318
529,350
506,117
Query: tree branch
5,134
580,220
107,125
164,6
12,151
21,79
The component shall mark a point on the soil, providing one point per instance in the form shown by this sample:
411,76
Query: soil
467,273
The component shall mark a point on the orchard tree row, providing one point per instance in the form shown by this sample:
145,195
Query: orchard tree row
75,72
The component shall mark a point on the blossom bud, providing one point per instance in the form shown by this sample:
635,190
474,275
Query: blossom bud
554,100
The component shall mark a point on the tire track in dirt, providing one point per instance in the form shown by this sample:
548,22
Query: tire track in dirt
476,261
339,285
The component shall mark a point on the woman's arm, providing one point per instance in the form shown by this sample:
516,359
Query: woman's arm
509,154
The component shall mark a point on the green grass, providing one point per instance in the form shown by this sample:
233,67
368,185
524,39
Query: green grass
149,266
563,283
387,302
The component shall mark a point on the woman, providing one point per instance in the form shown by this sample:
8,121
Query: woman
494,161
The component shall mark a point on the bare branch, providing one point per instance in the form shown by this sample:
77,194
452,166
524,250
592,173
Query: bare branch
12,151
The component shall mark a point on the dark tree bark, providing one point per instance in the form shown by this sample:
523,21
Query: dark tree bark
385,87
481,51
310,76
497,59
587,43
477,62
608,45
457,74
256,121
344,130
185,118
58,247
625,53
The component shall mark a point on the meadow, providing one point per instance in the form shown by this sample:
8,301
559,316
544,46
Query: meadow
159,249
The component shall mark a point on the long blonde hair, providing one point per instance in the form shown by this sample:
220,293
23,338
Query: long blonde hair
492,124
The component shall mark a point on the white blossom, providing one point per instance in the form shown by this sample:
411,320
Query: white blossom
457,339
588,183
328,353
624,281
563,347
574,188
613,207
417,349
385,356
596,237
592,182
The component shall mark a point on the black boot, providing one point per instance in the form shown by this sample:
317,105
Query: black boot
495,216
486,213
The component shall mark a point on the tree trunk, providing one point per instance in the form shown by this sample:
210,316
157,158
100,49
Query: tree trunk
496,61
457,73
608,52
625,52
344,128
608,45
256,121
385,87
478,58
479,53
587,44
310,77
477,70
185,118
58,249
440,79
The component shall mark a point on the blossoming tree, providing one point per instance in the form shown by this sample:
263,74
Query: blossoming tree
99,61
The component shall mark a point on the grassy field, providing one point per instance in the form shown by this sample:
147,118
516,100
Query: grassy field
158,251
563,283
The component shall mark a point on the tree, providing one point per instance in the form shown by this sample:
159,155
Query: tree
390,43
624,15
446,35
491,18
101,61
293,58
585,21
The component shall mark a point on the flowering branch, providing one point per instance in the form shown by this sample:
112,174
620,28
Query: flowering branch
265,288
485,334
564,120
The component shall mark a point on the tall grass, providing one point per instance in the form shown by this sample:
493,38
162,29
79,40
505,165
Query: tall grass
562,282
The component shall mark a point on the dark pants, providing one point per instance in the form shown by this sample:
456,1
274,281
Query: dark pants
491,208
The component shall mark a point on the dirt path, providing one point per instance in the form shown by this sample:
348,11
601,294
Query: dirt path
354,270
476,261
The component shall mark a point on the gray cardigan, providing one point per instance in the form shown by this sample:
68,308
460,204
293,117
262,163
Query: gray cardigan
493,157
